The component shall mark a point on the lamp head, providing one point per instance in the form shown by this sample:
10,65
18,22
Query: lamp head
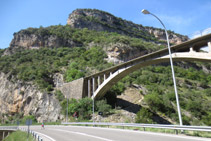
144,11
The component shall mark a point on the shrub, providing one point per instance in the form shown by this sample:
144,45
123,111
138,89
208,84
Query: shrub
59,95
144,116
85,108
102,106
154,101
32,117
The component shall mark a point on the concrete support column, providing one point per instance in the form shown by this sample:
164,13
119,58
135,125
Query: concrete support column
98,81
89,88
104,77
209,46
110,73
93,85
191,49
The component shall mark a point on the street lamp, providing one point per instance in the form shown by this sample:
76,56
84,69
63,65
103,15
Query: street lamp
67,112
93,110
171,62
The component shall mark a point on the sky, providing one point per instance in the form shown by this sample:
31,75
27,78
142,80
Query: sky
185,17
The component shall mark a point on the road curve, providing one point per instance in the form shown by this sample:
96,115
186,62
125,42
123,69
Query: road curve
79,133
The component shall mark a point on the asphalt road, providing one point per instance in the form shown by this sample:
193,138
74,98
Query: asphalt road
78,133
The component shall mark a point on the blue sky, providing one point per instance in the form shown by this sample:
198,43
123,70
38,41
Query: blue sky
181,16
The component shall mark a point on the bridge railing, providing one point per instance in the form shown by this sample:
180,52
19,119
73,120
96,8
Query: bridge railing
161,126
200,33
8,128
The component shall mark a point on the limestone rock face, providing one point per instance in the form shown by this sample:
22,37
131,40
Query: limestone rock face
119,52
27,40
26,99
173,37
102,21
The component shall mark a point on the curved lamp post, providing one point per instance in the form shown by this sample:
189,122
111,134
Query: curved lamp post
171,62
67,112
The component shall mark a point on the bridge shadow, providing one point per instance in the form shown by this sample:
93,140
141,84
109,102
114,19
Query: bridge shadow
134,108
128,106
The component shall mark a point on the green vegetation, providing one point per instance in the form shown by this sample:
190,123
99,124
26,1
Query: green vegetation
1,52
118,25
82,37
193,88
144,116
12,119
19,136
83,107
103,107
40,65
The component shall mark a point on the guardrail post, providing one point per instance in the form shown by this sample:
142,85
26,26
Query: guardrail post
176,132
144,128
3,135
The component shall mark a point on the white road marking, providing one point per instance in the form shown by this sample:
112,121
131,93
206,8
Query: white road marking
149,133
45,136
84,134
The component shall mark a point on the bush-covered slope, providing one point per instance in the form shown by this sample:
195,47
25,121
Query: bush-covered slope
40,65
193,88
73,37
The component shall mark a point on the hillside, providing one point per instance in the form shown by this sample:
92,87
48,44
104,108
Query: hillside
41,59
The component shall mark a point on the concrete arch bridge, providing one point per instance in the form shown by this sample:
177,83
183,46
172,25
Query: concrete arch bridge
96,85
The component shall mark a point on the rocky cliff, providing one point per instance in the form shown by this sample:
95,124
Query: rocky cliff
103,21
26,99
34,39
91,19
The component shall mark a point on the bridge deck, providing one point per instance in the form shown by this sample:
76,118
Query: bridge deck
196,44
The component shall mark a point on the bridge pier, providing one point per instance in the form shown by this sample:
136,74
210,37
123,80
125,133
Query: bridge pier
4,134
192,50
89,88
209,46
93,85
98,81
104,77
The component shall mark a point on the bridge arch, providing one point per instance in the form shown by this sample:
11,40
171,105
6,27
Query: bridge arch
120,72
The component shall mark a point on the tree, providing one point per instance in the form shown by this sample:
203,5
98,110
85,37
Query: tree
102,106
154,101
85,108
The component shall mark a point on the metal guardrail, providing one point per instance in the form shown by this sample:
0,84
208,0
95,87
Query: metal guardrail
34,134
161,126
8,128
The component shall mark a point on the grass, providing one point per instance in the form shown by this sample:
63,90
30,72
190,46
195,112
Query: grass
19,136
